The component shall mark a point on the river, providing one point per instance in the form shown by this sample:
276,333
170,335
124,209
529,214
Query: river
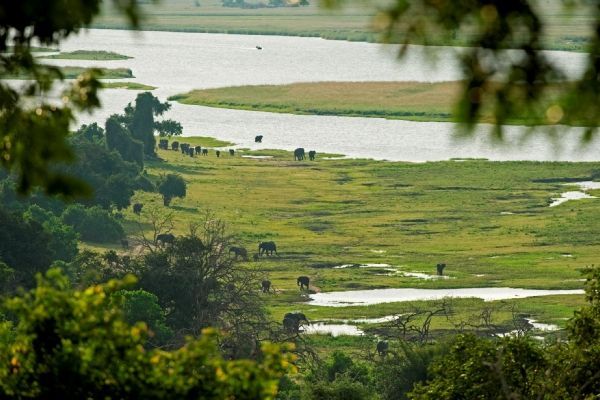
177,62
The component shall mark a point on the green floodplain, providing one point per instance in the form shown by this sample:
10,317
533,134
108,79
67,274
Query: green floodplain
565,30
490,222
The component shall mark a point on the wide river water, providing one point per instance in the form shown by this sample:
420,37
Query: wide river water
178,62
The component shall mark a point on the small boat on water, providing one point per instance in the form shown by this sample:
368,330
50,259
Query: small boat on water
258,48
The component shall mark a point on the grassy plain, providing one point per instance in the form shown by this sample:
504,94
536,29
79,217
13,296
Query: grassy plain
88,55
413,101
74,72
489,221
395,100
565,29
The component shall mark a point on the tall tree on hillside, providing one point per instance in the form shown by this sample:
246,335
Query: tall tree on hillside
142,123
120,139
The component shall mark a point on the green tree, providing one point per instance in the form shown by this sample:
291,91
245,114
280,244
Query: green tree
200,286
63,238
170,186
76,345
142,306
33,134
339,378
142,121
168,127
24,247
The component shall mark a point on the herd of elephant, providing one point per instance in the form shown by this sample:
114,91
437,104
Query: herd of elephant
187,149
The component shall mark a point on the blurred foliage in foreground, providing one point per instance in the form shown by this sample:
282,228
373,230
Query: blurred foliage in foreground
76,344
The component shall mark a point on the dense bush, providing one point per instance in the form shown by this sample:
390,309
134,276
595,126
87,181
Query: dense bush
63,238
170,186
142,306
93,224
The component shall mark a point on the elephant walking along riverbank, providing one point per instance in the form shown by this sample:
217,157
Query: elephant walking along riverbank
303,281
293,321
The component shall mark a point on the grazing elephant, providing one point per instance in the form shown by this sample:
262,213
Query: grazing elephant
204,152
165,238
266,286
440,269
303,281
185,148
293,321
267,248
175,146
137,208
198,149
299,154
191,152
163,144
232,152
125,243
311,155
239,252
382,348
218,153
258,139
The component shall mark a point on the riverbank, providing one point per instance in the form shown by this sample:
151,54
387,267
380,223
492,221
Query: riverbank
354,22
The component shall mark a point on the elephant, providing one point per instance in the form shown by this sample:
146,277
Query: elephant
299,154
293,321
165,238
311,155
198,149
163,144
258,139
266,286
267,248
239,252
137,208
175,146
204,152
382,348
303,281
191,152
125,243
218,153
232,152
255,257
440,269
